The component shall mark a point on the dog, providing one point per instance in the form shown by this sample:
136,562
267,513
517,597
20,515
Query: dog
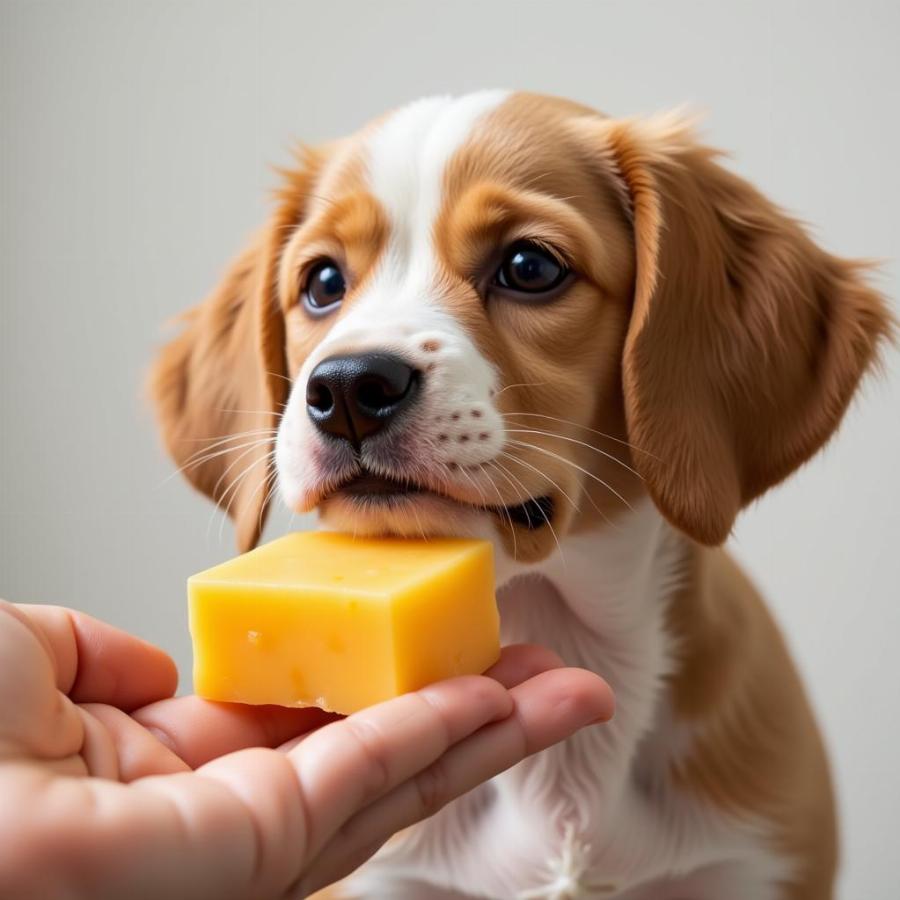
583,338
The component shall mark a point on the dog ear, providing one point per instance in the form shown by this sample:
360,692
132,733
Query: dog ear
220,385
746,340
212,400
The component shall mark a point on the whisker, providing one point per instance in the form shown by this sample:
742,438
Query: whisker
574,465
279,375
219,439
222,444
575,506
602,434
418,521
233,497
231,465
254,412
444,472
523,384
484,503
546,517
574,441
202,456
233,488
267,460
503,507
212,443
217,509
543,475
513,480
272,482
192,463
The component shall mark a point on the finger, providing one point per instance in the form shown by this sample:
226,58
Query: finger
199,730
135,750
98,750
98,663
519,662
348,764
548,708
35,718
238,833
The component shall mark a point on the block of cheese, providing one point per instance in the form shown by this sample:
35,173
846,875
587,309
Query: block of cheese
329,620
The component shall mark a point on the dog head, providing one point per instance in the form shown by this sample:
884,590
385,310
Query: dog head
509,310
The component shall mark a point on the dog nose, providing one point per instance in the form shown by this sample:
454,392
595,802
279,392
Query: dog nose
355,396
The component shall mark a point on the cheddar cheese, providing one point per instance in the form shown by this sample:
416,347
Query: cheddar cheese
329,620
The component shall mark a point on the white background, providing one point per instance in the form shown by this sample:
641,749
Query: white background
136,144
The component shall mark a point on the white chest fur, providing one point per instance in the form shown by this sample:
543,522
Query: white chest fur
595,816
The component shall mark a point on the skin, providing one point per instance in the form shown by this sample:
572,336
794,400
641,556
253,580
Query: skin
113,787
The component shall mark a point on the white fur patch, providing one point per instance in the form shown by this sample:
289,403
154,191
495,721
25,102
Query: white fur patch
457,428
409,155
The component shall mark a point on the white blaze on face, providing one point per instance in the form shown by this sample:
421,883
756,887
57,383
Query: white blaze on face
406,161
400,309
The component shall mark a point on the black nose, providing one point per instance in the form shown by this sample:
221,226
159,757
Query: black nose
355,396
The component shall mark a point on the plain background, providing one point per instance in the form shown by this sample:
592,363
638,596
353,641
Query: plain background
137,140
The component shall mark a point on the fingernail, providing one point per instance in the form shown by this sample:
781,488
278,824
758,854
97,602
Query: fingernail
602,720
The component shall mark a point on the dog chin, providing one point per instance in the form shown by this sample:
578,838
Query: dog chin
418,516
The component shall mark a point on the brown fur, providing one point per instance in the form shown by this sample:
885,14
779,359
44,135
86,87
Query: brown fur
758,751
746,340
207,385
224,374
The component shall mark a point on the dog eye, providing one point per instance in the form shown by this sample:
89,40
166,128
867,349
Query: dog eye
528,268
325,287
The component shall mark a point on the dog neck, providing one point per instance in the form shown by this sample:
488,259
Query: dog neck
601,603
613,583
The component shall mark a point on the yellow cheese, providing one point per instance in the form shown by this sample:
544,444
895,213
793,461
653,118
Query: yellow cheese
325,619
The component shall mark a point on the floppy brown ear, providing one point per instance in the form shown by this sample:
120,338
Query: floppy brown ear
220,385
212,398
746,340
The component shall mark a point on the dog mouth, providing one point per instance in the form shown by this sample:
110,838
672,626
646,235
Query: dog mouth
368,490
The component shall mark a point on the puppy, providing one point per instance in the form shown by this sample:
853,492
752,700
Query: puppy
509,316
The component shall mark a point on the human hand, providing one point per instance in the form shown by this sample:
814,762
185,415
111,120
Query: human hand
112,788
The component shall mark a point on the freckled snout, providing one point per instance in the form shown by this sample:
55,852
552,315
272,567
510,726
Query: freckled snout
355,396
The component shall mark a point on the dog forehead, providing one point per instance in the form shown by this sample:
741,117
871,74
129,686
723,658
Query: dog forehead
408,154
415,163
417,160
401,161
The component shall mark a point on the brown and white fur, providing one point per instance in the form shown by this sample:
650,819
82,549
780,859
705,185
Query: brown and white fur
704,349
